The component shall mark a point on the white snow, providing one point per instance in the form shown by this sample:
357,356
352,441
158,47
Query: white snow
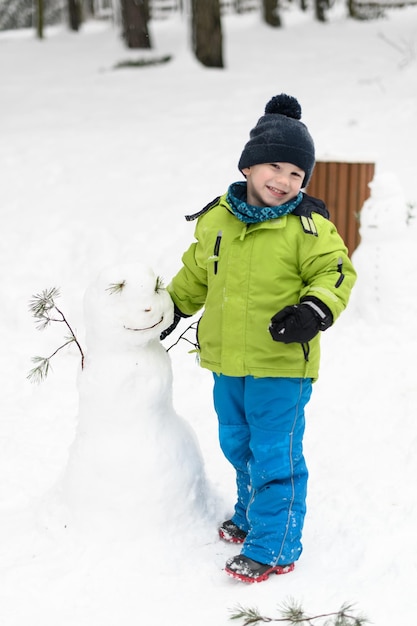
98,167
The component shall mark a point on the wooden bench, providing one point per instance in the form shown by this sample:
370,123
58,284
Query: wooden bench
344,187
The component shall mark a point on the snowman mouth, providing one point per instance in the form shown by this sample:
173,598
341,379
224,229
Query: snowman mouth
138,330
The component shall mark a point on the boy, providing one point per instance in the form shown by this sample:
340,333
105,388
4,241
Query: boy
271,272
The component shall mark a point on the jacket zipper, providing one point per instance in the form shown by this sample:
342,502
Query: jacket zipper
340,270
217,250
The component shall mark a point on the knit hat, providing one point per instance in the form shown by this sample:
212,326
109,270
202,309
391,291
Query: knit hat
279,136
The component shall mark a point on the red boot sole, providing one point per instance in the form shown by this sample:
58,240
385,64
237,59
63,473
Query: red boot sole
229,538
278,569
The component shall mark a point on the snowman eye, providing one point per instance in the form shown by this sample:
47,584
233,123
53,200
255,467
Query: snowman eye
116,287
159,285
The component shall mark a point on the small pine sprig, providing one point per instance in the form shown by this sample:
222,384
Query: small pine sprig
293,614
159,285
249,615
44,310
42,305
119,286
40,372
116,287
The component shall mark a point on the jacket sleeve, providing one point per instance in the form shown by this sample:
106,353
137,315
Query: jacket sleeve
326,269
188,289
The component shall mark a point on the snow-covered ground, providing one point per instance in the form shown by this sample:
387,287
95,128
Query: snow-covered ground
98,167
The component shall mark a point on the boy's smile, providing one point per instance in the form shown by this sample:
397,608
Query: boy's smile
272,184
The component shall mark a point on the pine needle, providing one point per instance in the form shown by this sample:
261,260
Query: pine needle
44,310
293,614
40,372
250,615
159,286
41,306
116,287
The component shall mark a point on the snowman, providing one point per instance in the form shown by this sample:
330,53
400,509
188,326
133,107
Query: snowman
135,465
386,256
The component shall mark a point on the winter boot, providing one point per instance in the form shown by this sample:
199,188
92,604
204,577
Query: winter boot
249,571
231,533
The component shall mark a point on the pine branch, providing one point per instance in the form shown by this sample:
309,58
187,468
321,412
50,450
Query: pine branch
40,372
73,336
41,306
251,616
192,326
293,614
44,310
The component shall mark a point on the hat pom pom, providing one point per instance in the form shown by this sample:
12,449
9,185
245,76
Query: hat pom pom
284,105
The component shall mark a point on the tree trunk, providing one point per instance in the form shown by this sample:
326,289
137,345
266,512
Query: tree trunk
320,7
352,9
207,32
39,21
74,14
135,17
90,8
270,13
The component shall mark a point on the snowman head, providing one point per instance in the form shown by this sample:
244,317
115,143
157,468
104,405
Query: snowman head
126,307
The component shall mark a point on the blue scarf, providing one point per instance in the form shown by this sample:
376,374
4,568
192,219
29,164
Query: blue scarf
236,197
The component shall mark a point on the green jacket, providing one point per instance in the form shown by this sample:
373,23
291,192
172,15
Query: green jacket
242,274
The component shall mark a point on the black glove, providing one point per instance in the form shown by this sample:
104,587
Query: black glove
299,323
177,316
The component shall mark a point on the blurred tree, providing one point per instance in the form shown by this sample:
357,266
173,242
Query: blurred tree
135,18
207,40
39,19
75,14
320,8
271,13
91,8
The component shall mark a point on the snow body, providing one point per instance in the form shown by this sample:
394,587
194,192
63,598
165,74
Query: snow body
381,293
134,463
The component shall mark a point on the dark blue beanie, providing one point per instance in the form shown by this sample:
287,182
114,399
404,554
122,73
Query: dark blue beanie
279,136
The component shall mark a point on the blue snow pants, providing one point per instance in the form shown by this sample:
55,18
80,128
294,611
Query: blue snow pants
261,428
